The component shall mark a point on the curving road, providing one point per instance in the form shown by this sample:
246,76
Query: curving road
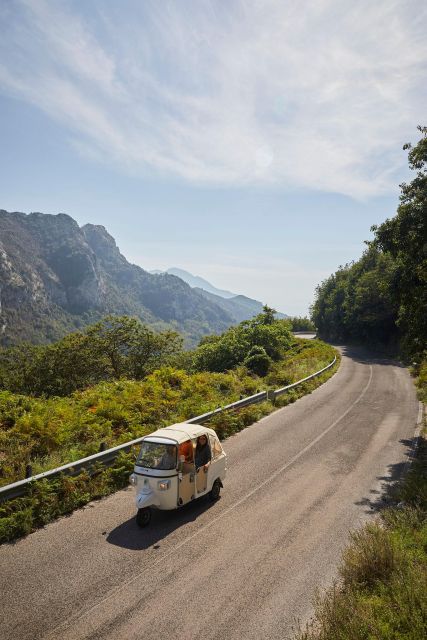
244,567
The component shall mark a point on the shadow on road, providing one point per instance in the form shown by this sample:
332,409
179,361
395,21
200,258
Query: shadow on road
129,535
387,495
364,356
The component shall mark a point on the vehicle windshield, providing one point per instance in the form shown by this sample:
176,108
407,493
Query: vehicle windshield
154,455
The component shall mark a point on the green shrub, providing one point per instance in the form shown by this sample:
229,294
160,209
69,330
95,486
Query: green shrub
224,352
373,555
389,604
16,525
258,361
49,498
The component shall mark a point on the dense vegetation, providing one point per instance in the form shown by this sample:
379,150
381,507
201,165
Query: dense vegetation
257,343
382,298
302,323
126,381
120,347
114,348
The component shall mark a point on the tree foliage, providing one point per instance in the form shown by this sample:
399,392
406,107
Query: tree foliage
404,237
115,347
221,353
355,304
301,323
383,296
121,347
258,361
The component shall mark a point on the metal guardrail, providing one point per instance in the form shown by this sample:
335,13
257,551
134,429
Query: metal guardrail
19,488
278,392
308,335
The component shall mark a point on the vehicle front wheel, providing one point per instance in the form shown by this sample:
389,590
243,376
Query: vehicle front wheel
143,517
215,491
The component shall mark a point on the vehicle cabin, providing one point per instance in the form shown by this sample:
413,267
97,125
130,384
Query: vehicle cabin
176,465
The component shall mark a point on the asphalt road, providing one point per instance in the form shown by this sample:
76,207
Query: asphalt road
246,566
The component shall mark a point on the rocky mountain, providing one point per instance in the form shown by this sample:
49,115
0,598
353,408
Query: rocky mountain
56,277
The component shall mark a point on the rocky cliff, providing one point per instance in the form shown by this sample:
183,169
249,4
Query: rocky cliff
56,276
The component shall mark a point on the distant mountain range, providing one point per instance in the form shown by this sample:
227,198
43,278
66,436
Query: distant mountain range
197,282
239,307
56,277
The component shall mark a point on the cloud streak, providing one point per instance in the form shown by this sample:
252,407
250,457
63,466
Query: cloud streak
316,95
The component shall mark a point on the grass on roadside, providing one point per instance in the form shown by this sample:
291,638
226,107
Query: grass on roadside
49,499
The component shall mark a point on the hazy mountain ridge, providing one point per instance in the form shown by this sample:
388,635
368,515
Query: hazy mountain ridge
239,307
199,283
56,276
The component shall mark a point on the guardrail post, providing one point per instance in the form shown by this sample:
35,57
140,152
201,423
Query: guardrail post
103,446
28,471
271,396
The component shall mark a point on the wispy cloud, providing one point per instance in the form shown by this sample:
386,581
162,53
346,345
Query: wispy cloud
317,94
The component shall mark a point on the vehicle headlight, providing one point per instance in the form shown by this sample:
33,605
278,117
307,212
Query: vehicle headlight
132,479
163,485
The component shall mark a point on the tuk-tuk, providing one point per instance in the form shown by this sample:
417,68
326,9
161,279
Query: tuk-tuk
176,465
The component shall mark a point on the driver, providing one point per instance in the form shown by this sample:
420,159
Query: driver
168,459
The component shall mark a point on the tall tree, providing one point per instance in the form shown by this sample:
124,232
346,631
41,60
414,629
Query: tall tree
383,296
130,348
405,238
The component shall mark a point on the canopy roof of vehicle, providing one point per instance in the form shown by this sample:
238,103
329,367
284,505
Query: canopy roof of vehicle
181,432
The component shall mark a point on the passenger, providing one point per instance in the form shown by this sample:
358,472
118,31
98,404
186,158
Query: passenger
186,450
203,452
168,459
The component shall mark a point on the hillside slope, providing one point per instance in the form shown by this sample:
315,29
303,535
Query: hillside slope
56,276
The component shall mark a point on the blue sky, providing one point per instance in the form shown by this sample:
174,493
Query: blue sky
253,143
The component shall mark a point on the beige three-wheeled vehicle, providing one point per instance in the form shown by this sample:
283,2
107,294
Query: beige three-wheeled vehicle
176,465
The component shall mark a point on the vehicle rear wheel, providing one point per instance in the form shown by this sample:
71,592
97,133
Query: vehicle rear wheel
215,491
143,517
